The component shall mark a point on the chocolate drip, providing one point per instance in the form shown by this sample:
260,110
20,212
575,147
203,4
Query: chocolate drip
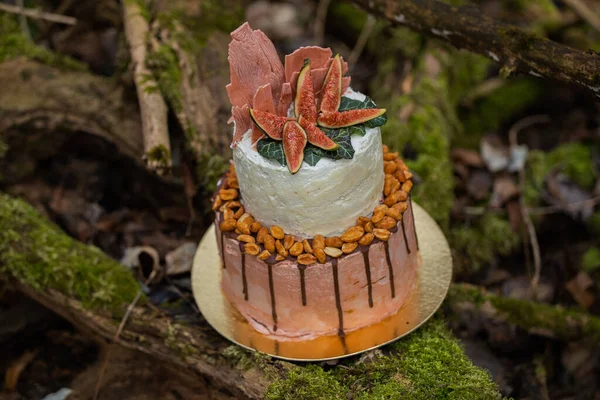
223,249
272,290
386,246
302,268
368,272
244,281
413,221
405,238
338,300
276,347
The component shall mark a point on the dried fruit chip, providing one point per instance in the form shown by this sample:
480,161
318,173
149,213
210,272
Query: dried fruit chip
386,223
348,248
228,214
264,255
366,239
269,243
390,156
227,225
280,249
321,256
307,247
362,221
406,186
255,227
352,234
260,235
228,194
246,238
377,216
389,167
277,232
334,241
288,241
306,259
381,234
296,249
252,248
333,252
318,242
369,227
279,257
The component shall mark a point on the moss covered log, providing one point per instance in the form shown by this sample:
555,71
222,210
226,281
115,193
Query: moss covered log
537,318
467,28
79,281
38,254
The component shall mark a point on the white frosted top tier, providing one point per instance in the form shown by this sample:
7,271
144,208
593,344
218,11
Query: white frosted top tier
325,199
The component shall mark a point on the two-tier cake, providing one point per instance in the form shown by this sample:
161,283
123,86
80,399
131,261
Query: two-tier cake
314,220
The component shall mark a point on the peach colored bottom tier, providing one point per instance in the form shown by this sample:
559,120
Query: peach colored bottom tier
294,302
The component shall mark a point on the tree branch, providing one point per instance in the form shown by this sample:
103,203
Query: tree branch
157,149
38,14
467,28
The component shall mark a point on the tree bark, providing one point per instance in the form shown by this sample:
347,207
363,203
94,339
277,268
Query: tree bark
467,28
157,148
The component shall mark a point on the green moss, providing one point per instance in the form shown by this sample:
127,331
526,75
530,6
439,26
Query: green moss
428,364
591,260
159,154
478,244
164,64
14,44
533,315
38,253
573,159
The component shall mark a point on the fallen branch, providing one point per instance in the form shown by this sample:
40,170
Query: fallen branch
536,318
157,149
467,28
38,14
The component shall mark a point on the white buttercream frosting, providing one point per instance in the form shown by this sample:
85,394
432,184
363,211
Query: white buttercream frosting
323,199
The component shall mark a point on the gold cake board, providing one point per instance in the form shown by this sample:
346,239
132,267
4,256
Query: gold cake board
433,280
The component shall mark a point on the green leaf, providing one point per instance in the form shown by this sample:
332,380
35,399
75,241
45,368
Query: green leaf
342,138
351,104
312,154
271,149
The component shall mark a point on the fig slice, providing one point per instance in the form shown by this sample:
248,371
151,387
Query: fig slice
304,103
349,118
294,142
332,87
269,123
316,136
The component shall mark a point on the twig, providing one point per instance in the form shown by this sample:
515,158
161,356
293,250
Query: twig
362,40
118,333
38,14
157,149
535,247
466,27
23,21
585,13
320,17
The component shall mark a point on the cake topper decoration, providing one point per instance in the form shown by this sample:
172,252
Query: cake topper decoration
321,121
